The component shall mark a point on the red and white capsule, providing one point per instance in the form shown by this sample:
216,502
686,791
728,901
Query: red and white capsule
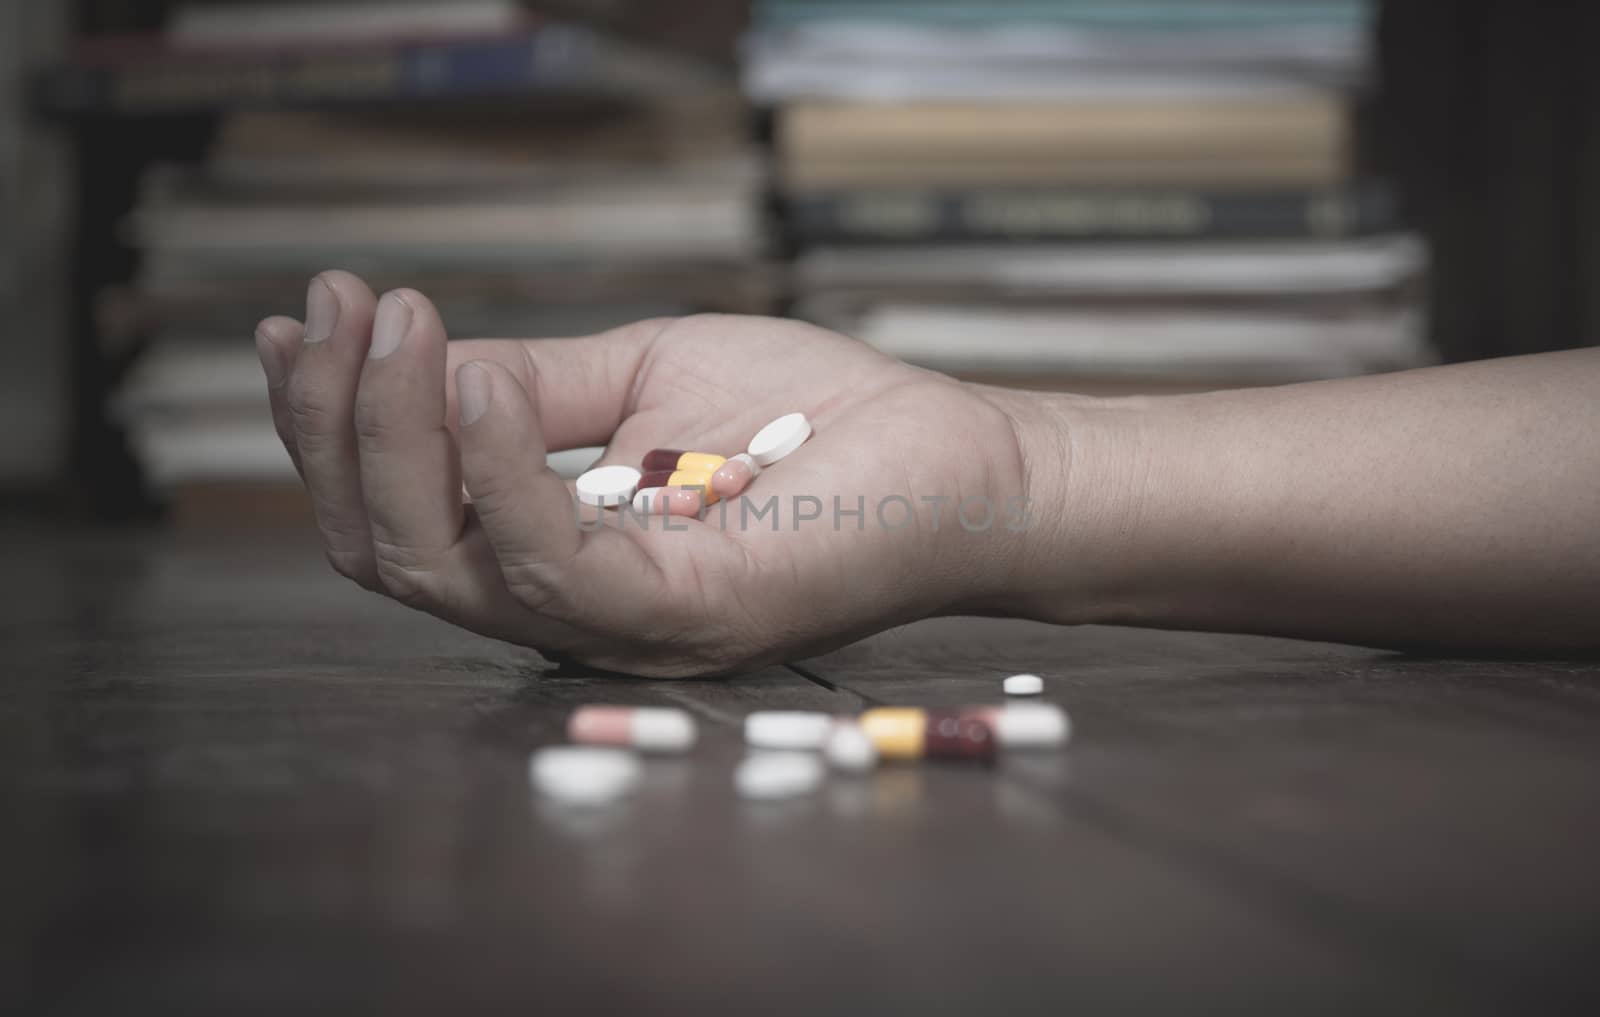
669,501
646,728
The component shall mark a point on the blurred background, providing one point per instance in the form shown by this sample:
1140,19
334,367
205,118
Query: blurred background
1135,196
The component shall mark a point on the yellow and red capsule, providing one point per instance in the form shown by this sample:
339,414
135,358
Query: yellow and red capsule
676,482
671,459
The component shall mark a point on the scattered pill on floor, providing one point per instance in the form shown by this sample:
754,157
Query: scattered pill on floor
773,775
787,729
584,774
909,733
608,486
1025,725
1024,685
647,728
779,438
849,749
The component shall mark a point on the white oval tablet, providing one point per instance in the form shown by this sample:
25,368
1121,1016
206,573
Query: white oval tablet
1024,685
848,748
584,774
1031,725
787,729
609,486
779,438
773,775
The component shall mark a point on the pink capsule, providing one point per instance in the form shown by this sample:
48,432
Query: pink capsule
671,501
734,476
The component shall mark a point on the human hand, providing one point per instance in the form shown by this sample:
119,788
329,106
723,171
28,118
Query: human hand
385,420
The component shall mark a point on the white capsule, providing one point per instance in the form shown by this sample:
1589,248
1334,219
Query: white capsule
1024,685
583,774
642,499
1029,725
787,729
608,486
849,749
779,438
773,775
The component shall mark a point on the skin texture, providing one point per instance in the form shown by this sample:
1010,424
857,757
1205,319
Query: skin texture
1455,507
382,449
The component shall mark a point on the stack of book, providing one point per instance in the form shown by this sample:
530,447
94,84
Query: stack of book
595,189
1140,193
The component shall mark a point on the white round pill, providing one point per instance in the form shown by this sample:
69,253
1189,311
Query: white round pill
773,775
787,729
1031,725
1024,685
609,486
850,749
584,774
779,438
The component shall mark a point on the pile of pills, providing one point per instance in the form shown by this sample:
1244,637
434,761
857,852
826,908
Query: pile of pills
789,747
678,482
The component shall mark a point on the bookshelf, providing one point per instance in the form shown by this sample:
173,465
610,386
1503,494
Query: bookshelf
1484,117
125,100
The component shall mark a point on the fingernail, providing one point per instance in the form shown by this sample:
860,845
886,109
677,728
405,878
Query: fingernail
272,364
390,326
473,391
322,311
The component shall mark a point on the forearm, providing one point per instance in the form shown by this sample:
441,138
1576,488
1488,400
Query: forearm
1452,507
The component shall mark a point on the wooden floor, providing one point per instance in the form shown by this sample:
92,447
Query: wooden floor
233,783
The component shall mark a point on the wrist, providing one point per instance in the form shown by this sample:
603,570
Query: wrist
1088,466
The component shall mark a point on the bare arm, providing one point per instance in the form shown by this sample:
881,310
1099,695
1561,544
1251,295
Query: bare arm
1450,507
1456,507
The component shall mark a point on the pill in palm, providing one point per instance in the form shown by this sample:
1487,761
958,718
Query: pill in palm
650,729
787,729
669,501
735,475
584,774
779,438
676,459
608,486
696,479
1024,685
774,775
848,748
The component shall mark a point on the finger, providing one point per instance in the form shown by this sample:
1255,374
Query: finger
583,388
410,474
321,397
468,589
277,342
602,580
526,509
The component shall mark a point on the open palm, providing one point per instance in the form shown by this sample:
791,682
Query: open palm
370,400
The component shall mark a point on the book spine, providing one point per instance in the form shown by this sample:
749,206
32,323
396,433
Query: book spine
1066,214
552,58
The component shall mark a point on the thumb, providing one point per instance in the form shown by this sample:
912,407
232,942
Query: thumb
524,507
